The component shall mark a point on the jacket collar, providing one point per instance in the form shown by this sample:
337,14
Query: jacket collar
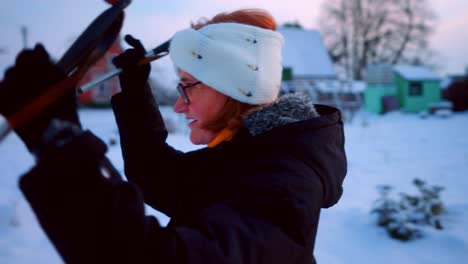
287,109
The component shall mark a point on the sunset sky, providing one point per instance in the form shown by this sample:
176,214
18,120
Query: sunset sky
56,23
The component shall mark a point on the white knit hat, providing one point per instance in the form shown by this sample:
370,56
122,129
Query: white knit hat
238,60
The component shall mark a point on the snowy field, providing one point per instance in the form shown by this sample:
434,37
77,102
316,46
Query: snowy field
392,149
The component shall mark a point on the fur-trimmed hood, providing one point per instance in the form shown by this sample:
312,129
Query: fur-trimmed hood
287,109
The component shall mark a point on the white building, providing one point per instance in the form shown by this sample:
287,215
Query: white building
308,68
305,53
306,62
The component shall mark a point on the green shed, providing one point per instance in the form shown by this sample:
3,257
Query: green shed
416,87
380,84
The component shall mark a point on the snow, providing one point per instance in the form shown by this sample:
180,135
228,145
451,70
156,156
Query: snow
391,149
416,73
306,54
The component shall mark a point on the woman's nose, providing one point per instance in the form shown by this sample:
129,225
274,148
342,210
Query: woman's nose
180,106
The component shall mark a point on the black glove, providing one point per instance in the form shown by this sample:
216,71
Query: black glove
30,77
134,77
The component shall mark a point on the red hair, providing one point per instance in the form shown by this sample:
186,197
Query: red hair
233,110
254,17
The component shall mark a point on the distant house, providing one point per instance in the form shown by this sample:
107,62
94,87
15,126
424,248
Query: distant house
305,60
101,94
455,90
417,87
305,54
448,80
380,93
307,67
407,87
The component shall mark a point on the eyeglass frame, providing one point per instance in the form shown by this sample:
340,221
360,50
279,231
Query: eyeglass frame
181,88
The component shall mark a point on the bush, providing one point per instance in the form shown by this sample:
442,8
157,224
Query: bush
403,219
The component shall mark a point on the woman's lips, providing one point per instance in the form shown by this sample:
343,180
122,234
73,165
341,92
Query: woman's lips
192,123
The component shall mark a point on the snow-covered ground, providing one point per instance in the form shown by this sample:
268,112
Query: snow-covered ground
391,149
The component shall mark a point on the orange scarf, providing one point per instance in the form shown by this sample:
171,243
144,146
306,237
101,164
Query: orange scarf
224,135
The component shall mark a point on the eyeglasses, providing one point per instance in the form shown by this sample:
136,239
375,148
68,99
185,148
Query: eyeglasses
181,88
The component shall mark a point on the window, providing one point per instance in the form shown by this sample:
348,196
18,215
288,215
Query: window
415,89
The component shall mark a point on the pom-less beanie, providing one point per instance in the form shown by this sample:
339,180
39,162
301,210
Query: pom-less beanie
238,60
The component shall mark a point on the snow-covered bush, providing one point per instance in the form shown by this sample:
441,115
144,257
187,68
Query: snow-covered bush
404,218
427,207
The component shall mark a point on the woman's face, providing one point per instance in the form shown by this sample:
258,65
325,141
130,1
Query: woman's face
205,104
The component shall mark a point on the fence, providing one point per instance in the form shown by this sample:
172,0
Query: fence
340,94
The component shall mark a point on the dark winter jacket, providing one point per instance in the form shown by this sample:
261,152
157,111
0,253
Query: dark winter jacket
254,199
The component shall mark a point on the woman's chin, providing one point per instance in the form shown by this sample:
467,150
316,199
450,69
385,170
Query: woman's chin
201,136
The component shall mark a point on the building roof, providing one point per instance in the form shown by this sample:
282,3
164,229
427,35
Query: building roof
306,54
415,73
379,74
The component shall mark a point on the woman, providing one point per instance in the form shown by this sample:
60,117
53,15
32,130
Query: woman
252,196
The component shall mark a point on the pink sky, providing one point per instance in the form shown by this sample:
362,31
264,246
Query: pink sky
154,21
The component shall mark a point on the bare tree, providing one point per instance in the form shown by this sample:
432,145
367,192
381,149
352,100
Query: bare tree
362,32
